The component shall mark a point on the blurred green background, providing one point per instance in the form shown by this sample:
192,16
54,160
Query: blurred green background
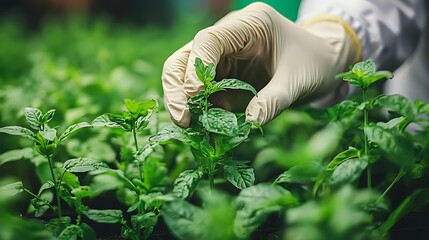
83,57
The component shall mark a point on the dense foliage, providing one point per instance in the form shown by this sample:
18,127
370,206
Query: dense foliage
83,163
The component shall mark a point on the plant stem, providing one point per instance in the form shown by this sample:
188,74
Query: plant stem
56,186
397,178
365,138
41,199
136,144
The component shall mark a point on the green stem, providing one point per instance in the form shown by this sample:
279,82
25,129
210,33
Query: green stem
41,199
365,139
211,180
56,186
397,178
136,144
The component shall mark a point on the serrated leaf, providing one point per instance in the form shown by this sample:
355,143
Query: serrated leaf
233,84
72,129
33,117
186,182
104,216
348,171
71,232
19,131
398,104
364,68
83,165
47,117
396,147
14,155
239,174
220,121
12,189
49,134
392,124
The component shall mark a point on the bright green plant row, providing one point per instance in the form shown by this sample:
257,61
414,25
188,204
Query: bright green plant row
335,184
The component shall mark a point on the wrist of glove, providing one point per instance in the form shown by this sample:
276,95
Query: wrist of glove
294,63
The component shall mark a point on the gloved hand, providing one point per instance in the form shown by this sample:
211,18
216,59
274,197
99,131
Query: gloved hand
285,62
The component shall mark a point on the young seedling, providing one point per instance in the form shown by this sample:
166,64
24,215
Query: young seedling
213,134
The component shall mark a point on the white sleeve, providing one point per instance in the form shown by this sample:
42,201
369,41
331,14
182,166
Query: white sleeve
388,30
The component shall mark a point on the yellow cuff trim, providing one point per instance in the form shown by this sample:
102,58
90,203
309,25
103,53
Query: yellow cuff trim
346,26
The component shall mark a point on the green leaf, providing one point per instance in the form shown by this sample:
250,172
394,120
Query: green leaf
379,75
413,203
49,134
14,155
83,165
342,157
46,185
19,131
40,205
143,153
186,182
72,129
71,232
147,220
167,134
342,110
226,143
12,189
155,174
200,69
348,171
57,225
34,117
180,218
104,216
256,203
398,104
396,147
302,173
119,175
239,174
233,84
364,68
47,117
88,232
104,121
220,121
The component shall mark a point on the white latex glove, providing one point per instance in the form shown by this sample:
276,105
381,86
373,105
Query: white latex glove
285,62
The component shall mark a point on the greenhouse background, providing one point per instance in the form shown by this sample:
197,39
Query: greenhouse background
83,58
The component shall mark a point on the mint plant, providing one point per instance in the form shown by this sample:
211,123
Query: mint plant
145,187
362,75
213,134
64,182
